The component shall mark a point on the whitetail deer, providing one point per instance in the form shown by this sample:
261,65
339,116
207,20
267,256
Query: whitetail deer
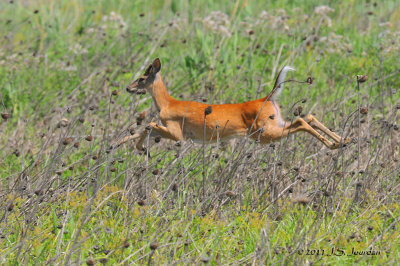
259,119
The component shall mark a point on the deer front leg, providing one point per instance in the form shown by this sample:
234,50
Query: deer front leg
124,140
172,131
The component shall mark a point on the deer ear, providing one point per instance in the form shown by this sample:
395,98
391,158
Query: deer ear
156,65
148,70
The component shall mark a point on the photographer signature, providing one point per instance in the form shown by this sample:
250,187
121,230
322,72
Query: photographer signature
334,251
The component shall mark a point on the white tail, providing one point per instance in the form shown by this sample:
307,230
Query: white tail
278,87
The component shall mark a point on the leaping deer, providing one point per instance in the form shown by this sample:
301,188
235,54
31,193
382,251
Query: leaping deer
259,119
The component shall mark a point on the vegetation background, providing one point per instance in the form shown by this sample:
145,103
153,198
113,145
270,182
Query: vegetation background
66,198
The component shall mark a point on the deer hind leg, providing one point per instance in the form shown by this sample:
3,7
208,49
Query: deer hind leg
172,131
301,125
314,122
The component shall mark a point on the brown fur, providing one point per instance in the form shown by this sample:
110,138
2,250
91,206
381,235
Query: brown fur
185,119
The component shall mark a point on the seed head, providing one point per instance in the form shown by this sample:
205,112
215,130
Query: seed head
17,153
364,110
230,194
90,262
125,244
63,123
154,245
272,145
67,141
10,206
114,92
5,116
141,202
362,78
205,259
208,110
89,138
298,110
301,199
141,116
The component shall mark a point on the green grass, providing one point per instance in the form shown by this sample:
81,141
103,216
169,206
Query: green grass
116,228
263,204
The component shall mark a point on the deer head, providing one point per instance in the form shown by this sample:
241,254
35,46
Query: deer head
145,82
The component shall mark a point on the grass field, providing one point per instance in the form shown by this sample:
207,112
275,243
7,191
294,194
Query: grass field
67,198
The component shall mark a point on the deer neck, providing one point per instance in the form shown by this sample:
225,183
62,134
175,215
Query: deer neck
159,93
